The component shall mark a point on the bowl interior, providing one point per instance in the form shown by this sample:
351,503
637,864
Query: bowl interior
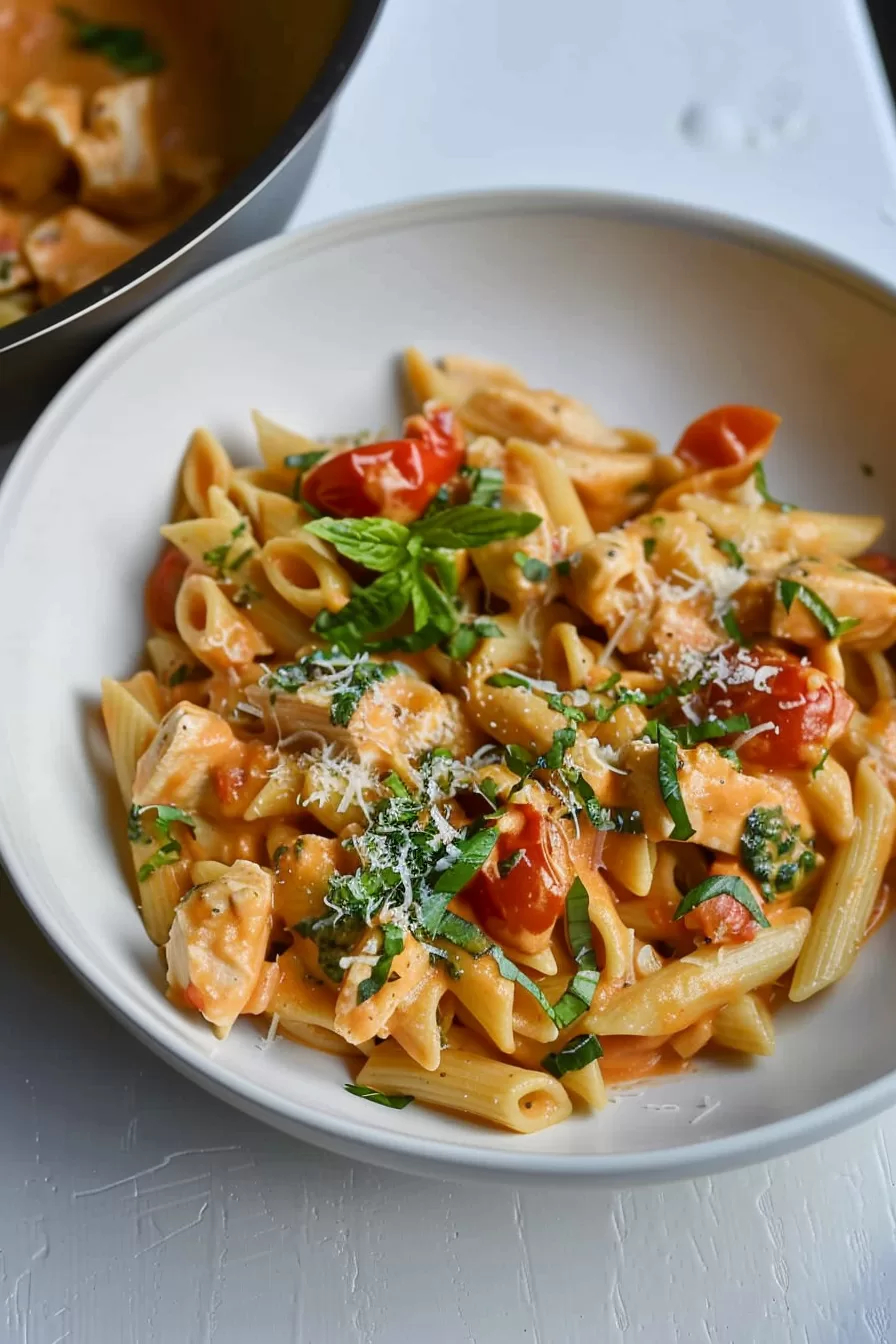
652,323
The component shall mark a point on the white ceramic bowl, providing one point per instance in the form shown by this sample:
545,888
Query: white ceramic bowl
653,315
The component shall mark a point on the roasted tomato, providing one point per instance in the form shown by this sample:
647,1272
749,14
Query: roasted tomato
397,479
162,588
878,562
808,709
724,437
723,919
527,876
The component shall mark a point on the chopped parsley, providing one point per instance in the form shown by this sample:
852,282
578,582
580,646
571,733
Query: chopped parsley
723,885
773,852
128,49
791,590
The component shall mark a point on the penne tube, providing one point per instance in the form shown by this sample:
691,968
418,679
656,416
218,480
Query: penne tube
205,464
849,888
745,1025
213,629
689,1042
529,463
276,443
130,727
306,573
630,859
415,1023
686,990
504,1094
486,995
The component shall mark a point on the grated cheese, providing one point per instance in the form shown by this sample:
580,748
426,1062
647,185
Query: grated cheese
768,727
619,634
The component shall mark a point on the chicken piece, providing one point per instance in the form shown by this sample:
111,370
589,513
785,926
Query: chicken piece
74,248
36,135
849,592
216,949
118,154
616,587
545,416
794,532
716,796
609,483
189,745
396,720
303,866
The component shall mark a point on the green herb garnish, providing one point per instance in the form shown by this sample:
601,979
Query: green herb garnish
732,629
670,789
578,926
348,679
762,486
819,765
535,570
721,886
649,547
393,943
773,852
169,851
790,590
578,1052
128,49
396,1101
689,734
729,549
465,638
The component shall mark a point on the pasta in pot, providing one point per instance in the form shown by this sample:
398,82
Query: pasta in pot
468,757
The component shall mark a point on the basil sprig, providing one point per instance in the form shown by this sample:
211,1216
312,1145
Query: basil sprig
791,590
416,568
670,789
578,1052
723,885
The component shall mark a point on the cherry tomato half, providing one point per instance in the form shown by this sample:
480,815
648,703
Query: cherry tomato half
724,437
878,562
723,919
808,709
162,588
529,895
397,479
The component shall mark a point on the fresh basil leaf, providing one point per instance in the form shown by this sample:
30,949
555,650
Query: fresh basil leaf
578,1052
576,999
474,851
376,543
396,1101
467,526
369,609
128,49
439,606
762,487
463,934
729,549
578,926
790,591
506,866
670,789
445,565
732,628
534,570
393,942
626,821
721,886
563,739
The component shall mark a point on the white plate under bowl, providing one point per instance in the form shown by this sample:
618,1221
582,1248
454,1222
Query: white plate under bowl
651,314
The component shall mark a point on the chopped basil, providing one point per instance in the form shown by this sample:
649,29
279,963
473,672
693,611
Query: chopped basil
576,999
128,49
510,971
762,486
731,756
624,820
246,595
463,934
578,926
535,570
564,568
729,549
486,485
465,638
474,850
819,766
506,866
578,1052
278,854
689,734
169,851
357,676
670,789
649,547
722,885
790,590
393,943
732,628
395,1100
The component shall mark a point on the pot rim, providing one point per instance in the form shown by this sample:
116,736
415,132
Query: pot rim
280,149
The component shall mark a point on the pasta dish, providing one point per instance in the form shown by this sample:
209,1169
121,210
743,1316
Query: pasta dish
509,758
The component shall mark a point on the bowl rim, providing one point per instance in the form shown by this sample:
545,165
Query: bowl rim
351,40
445,1158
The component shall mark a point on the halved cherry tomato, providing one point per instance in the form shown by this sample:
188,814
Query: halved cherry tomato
878,562
532,893
397,479
808,708
723,919
725,436
162,588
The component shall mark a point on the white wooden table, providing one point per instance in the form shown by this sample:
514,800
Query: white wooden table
135,1208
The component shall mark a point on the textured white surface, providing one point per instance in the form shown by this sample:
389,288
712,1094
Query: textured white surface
135,1208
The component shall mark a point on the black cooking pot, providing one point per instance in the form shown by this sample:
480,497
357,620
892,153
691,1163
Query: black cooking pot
270,53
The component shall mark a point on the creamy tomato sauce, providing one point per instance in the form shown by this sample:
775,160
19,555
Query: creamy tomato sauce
97,160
